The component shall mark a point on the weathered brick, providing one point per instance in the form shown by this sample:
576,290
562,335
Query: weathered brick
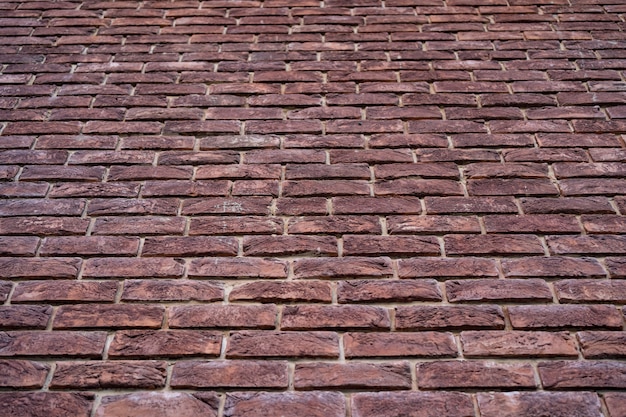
591,244
602,344
552,267
20,374
189,246
517,344
446,267
169,343
103,315
616,403
449,317
90,245
388,376
314,404
363,291
485,290
171,290
237,374
24,317
119,374
432,224
156,404
236,225
342,267
238,268
474,374
54,344
587,374
492,245
422,344
33,268
526,404
417,404
223,316
577,291
333,317
565,316
41,404
282,291
270,344
289,245
376,205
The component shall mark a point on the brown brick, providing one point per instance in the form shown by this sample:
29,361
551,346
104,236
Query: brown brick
58,343
223,316
102,315
422,344
540,223
588,374
418,187
492,245
314,404
527,404
42,404
238,268
616,267
18,245
486,290
269,344
449,317
132,268
139,225
155,404
189,246
5,290
236,225
118,374
376,205
474,205
51,226
168,343
90,245
418,404
224,206
41,207
388,376
576,291
290,245
111,206
517,344
465,374
230,374
282,291
616,403
117,189
602,344
432,224
329,317
363,291
565,316
390,245
171,290
342,267
447,267
32,268
566,205
22,374
334,225
24,317
552,267
170,188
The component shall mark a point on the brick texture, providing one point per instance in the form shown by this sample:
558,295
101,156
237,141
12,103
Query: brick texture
362,208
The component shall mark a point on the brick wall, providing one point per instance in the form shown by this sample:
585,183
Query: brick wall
338,208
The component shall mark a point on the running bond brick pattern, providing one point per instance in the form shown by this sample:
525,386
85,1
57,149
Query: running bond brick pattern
313,208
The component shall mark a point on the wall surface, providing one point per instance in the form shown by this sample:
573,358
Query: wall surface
338,208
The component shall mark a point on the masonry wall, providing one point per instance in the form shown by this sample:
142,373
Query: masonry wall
339,208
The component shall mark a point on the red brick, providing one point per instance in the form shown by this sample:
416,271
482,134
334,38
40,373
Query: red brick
282,291
305,188
552,267
198,158
566,205
238,206
449,317
61,173
42,404
119,374
329,317
616,403
527,404
390,245
43,225
360,291
565,316
236,225
120,189
90,245
156,404
189,246
576,291
112,206
185,188
32,268
102,315
55,344
171,290
604,224
342,268
22,374
314,404
334,225
471,374
591,244
602,344
230,374
289,245
269,344
376,205
492,245
18,245
588,374
169,343
388,376
238,267
24,317
447,267
223,316
517,344
485,290
417,404
477,205
419,187
422,344
132,268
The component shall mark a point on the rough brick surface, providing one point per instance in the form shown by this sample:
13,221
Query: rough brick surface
332,208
